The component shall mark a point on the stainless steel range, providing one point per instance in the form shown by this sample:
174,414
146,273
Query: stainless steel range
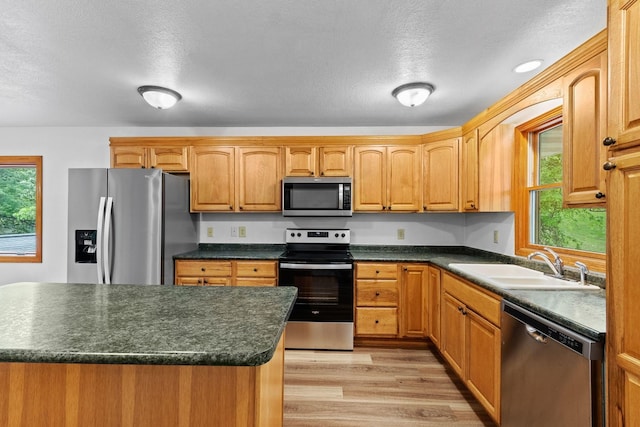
319,264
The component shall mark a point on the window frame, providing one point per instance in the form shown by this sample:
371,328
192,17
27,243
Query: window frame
35,161
523,179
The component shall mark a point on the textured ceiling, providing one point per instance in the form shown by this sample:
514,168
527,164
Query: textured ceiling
276,62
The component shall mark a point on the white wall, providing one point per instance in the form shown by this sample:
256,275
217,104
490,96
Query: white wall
63,148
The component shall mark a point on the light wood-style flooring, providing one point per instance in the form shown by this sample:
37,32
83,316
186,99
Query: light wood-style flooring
375,387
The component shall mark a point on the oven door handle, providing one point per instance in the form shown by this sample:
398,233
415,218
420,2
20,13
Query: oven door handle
294,266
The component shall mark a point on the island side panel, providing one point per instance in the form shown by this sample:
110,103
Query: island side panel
74,395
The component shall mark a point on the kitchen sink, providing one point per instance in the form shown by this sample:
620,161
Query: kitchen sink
510,276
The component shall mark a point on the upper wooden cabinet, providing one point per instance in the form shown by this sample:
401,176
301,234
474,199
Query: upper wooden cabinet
167,158
387,178
469,172
318,161
212,178
624,73
495,170
584,128
440,189
259,179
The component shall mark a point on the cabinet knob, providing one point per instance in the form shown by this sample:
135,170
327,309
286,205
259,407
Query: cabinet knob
600,195
377,321
255,269
377,271
424,208
609,166
240,208
608,141
384,208
321,173
405,269
311,173
203,269
205,281
231,207
377,293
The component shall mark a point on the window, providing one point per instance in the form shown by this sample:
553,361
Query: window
541,219
20,209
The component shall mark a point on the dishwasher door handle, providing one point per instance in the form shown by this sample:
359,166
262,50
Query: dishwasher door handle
536,334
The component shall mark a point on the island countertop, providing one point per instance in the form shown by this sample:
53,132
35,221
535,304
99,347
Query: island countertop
135,324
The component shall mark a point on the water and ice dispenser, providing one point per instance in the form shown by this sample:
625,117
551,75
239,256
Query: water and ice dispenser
86,246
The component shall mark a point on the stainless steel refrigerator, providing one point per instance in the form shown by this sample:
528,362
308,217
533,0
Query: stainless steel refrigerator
125,225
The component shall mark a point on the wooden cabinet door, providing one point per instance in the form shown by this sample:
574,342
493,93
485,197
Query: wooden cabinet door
169,159
300,161
482,363
440,189
413,308
128,157
433,305
334,161
469,172
369,179
623,292
404,173
495,170
584,118
259,179
624,69
453,333
212,178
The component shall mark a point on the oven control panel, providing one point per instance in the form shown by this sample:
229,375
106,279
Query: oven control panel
306,235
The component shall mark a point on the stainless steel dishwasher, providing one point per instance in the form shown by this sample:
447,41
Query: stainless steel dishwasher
551,376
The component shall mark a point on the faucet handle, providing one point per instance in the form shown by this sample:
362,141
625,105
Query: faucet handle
556,257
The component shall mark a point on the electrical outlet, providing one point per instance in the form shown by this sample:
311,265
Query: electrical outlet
242,231
495,236
209,231
234,231
400,234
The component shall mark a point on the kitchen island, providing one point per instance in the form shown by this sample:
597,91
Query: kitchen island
131,355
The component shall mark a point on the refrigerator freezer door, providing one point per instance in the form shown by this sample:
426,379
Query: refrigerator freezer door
86,187
135,238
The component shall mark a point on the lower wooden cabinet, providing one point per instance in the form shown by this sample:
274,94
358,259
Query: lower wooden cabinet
470,338
391,300
225,273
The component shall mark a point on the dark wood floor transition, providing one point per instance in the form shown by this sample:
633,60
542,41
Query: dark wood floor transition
375,387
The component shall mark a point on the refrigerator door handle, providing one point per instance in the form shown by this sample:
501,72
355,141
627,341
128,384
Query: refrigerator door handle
99,236
105,243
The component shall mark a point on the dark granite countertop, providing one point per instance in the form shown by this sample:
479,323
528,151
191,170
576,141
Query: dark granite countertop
136,324
581,311
233,251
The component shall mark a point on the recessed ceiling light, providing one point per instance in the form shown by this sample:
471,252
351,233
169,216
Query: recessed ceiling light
525,67
159,97
413,94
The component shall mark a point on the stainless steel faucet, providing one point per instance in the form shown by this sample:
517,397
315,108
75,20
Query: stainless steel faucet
557,266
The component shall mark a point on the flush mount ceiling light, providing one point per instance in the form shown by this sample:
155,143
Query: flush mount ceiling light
159,97
413,94
525,67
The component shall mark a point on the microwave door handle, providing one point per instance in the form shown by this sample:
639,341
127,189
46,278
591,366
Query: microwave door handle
340,196
294,266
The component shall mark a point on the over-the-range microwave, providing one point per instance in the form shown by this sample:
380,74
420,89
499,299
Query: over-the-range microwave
324,196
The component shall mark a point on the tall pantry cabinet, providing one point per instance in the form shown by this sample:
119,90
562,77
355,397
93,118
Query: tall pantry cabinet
623,193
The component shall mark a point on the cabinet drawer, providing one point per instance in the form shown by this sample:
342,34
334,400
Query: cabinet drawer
378,293
365,270
256,269
376,321
203,268
483,303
